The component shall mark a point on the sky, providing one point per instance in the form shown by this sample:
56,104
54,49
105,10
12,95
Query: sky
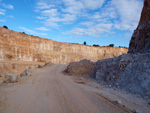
101,22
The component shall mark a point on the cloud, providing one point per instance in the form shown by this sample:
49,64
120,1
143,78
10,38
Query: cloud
8,6
10,16
43,5
43,29
128,12
93,30
2,12
1,20
32,32
90,17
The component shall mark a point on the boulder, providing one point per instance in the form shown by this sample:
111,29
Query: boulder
11,78
26,73
80,68
41,65
47,64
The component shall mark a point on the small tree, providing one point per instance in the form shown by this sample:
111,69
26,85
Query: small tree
96,45
111,45
5,27
84,43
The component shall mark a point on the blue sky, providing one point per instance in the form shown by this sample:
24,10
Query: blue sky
101,22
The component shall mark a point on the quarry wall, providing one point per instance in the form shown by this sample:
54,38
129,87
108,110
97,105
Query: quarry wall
16,46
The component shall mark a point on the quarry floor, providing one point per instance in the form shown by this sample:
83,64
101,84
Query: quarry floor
49,90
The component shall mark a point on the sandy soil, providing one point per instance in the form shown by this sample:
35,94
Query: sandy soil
48,90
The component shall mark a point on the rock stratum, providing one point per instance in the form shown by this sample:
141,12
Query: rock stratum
17,46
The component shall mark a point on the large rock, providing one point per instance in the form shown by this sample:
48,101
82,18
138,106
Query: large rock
27,72
140,41
11,78
80,68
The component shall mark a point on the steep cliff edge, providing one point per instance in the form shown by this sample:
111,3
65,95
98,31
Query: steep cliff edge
140,41
15,46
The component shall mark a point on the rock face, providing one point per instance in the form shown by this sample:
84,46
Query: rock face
15,46
140,41
129,72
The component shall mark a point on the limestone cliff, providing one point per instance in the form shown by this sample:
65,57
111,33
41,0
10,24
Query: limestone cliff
140,41
15,46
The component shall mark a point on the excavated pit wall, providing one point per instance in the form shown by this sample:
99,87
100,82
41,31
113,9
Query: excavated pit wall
15,46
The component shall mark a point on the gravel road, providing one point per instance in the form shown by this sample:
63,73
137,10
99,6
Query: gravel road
48,90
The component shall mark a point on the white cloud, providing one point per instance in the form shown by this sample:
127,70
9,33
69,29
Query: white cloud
91,17
1,20
8,6
129,13
43,29
94,30
2,12
31,31
11,16
43,5
55,16
93,4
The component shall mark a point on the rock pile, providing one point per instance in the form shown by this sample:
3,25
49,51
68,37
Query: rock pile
130,72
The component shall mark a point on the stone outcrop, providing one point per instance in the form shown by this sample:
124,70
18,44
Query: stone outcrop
140,41
15,46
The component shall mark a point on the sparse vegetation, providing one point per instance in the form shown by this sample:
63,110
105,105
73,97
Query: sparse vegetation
5,27
96,45
111,45
84,43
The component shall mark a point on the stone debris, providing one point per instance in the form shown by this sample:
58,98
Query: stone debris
136,111
11,78
40,66
117,101
27,72
48,64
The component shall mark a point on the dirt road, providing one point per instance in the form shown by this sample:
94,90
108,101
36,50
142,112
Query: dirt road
48,90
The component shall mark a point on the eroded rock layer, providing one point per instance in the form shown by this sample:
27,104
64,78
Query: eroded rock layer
15,46
140,41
